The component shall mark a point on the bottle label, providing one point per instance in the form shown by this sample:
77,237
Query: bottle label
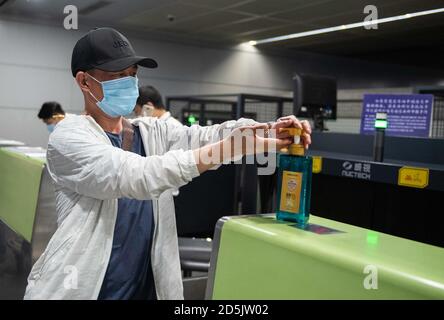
291,191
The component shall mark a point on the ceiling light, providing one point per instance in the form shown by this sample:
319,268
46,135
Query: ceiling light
346,26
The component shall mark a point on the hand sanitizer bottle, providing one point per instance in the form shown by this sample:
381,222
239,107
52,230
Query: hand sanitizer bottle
294,182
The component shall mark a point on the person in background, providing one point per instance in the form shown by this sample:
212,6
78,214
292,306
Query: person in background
51,113
150,104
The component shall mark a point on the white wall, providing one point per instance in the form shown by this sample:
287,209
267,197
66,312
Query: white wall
35,67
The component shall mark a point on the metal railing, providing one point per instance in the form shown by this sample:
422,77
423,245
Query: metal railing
438,118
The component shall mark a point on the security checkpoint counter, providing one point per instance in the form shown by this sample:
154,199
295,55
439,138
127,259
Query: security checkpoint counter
27,215
28,219
10,143
259,257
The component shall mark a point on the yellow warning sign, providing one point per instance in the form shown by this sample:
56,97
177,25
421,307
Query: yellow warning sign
413,177
317,164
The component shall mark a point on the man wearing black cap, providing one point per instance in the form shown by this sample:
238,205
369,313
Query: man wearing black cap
116,235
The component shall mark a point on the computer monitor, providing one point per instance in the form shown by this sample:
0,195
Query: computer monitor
315,96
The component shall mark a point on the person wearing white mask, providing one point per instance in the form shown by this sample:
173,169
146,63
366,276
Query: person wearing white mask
150,104
51,113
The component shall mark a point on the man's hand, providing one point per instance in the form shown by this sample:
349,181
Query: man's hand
255,139
241,141
250,140
293,122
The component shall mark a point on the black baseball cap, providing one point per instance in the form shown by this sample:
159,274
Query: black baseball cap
106,49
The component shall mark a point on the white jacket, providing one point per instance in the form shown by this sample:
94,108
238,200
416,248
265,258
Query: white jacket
173,121
89,176
169,118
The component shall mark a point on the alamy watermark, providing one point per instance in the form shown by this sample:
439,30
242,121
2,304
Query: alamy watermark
71,279
372,15
371,280
258,145
71,21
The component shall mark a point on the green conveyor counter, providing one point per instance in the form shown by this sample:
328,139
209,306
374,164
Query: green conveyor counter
27,215
259,257
19,190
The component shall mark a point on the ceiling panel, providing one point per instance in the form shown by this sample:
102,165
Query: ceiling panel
386,10
228,22
119,9
316,10
349,11
199,23
267,7
246,26
218,4
157,17
408,6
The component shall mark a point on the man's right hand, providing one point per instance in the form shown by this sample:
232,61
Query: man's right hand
241,141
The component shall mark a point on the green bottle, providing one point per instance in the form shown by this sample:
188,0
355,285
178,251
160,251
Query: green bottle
294,182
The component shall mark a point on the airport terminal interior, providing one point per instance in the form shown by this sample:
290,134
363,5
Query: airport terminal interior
109,107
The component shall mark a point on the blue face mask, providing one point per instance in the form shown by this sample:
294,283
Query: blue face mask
119,96
50,127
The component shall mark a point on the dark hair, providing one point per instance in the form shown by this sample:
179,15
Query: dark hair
49,109
150,94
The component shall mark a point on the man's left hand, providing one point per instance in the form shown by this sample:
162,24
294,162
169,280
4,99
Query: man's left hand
293,122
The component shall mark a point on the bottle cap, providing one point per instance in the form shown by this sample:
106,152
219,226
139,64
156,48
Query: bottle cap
292,131
296,149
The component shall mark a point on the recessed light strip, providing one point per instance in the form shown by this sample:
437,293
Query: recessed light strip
347,26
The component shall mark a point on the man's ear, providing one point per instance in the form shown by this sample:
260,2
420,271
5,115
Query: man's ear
81,79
